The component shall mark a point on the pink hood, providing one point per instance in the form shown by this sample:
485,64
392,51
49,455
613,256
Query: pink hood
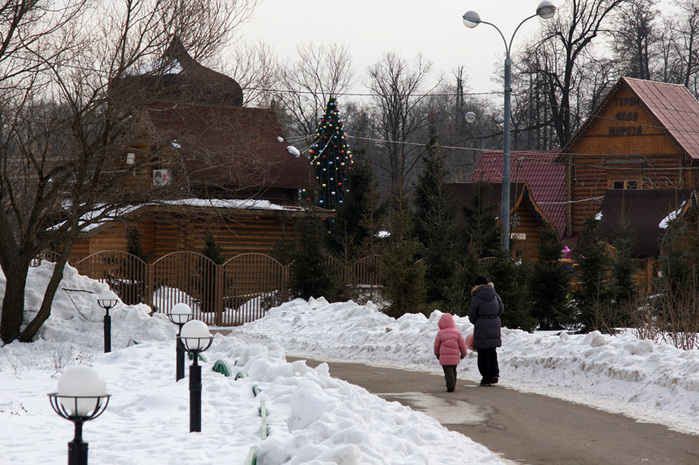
449,344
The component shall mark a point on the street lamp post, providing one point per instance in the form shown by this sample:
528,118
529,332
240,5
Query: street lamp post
471,19
107,304
81,396
195,339
179,314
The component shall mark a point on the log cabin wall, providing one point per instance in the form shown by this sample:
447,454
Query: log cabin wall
525,233
167,231
623,148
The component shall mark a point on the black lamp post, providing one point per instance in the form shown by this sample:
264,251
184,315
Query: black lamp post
195,339
81,396
179,314
107,304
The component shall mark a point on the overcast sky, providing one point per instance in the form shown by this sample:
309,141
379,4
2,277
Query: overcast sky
372,28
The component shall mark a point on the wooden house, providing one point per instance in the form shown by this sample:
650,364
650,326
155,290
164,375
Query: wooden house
527,218
537,195
220,168
642,136
539,170
635,159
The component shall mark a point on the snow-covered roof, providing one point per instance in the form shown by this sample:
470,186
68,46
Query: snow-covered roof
88,222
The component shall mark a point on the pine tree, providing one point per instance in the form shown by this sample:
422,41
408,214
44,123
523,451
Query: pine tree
214,253
510,279
310,276
623,267
483,233
331,158
404,275
436,225
595,293
549,285
349,229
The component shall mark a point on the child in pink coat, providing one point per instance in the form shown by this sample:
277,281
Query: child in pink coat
450,348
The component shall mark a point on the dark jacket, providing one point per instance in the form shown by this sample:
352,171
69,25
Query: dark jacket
485,312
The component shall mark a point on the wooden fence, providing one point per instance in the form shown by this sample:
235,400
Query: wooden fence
241,289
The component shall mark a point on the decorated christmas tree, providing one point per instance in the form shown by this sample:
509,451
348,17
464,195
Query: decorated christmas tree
331,158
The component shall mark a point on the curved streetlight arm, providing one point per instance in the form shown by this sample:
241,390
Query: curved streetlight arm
509,46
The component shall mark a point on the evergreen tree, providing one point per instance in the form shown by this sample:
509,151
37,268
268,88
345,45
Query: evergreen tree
459,292
436,225
208,266
134,245
129,283
331,158
212,250
623,267
349,230
594,295
310,276
403,274
483,233
679,259
549,286
510,280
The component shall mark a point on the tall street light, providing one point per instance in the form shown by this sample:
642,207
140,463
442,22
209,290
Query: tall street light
545,10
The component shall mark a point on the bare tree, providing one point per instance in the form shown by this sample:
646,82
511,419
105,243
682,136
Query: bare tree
306,85
567,42
635,38
256,69
221,18
400,115
64,133
683,53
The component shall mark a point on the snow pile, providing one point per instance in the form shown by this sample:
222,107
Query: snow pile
312,417
621,374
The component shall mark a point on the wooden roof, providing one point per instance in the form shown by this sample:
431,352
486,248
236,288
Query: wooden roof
176,77
644,210
228,147
542,173
672,105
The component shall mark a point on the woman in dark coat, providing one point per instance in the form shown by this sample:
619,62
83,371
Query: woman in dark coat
484,313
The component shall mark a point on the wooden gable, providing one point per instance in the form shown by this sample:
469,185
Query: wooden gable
634,140
527,221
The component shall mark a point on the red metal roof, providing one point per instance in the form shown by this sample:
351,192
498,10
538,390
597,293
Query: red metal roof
539,169
675,107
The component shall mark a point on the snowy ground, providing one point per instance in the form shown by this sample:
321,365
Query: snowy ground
313,418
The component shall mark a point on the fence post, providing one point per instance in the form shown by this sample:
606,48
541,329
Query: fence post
218,308
150,286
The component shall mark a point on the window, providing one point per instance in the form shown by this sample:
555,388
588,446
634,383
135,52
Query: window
624,184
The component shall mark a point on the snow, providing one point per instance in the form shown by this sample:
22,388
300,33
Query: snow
665,222
88,223
312,418
294,151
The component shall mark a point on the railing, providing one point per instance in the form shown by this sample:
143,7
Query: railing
240,290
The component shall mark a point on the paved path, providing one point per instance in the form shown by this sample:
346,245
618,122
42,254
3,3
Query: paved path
526,428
